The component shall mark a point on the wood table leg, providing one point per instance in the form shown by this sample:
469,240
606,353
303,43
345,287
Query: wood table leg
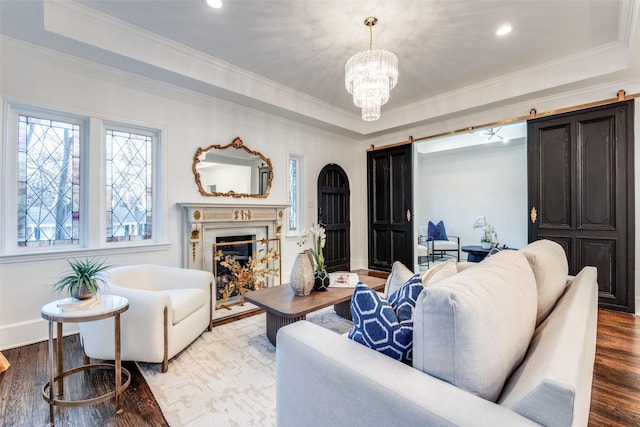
343,309
275,322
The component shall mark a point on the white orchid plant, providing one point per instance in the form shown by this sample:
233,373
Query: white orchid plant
488,231
318,237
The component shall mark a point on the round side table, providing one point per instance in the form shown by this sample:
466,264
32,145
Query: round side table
475,253
56,311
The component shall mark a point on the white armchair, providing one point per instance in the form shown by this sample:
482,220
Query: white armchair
438,246
169,308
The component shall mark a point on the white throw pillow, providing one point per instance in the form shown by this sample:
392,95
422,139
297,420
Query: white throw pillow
439,272
551,269
399,275
473,328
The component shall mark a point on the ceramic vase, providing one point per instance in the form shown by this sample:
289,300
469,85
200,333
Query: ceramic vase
302,279
321,281
82,291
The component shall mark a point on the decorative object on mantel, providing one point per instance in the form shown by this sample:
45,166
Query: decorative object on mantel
84,280
489,236
232,170
302,279
250,275
370,75
318,238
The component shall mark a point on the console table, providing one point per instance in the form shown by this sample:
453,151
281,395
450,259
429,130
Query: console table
107,306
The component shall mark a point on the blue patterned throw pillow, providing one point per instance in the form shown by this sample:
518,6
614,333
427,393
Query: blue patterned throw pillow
436,231
386,325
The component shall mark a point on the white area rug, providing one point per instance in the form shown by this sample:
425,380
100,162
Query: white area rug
227,376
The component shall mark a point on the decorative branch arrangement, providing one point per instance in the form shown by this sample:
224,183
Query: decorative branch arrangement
248,276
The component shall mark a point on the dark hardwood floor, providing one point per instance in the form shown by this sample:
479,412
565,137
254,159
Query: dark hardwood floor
615,399
22,404
615,393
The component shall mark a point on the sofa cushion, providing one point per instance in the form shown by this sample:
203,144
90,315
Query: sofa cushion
444,245
185,301
473,328
436,231
385,325
550,268
399,275
552,386
439,272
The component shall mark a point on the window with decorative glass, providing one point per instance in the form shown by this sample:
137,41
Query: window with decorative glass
129,179
48,181
50,202
295,194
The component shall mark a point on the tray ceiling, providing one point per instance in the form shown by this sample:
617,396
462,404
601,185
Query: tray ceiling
287,57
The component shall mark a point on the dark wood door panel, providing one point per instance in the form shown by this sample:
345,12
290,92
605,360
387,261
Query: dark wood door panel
400,241
600,253
398,191
381,250
596,180
555,176
389,185
380,168
581,185
334,214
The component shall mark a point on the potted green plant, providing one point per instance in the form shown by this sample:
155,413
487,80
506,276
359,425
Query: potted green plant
84,280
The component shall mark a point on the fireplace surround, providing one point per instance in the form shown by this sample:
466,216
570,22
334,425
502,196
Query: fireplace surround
204,225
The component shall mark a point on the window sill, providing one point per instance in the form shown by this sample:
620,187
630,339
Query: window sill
41,255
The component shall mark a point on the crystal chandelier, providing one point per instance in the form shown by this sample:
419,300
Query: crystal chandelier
370,75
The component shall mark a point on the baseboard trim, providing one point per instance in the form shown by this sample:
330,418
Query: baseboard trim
30,332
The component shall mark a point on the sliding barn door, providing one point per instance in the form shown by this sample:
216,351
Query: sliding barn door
581,194
389,181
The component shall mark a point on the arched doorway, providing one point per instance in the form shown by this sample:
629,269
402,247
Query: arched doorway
334,215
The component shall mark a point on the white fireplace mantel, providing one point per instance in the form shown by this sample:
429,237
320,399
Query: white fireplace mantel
201,220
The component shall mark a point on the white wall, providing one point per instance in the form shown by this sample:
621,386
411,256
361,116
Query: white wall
40,78
459,185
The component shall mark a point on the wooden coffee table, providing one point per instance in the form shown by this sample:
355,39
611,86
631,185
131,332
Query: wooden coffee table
284,308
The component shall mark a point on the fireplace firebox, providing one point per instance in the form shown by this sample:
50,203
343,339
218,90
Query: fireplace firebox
242,264
240,249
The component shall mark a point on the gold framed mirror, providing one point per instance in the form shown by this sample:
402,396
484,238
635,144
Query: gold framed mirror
232,170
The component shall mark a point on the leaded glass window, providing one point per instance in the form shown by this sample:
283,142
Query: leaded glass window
296,195
129,173
293,194
48,182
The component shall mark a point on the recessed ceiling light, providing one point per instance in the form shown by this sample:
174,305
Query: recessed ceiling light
503,30
216,4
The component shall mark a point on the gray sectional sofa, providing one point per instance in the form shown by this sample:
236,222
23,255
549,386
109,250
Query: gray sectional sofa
507,342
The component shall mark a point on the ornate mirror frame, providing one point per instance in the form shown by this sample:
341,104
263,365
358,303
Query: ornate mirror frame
265,172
